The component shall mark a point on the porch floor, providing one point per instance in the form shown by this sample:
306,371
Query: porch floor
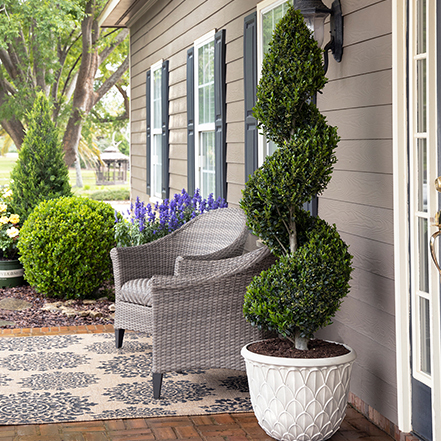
219,427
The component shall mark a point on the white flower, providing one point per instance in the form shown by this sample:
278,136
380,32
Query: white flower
12,232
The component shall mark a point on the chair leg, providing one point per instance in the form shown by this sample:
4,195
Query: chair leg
157,383
119,335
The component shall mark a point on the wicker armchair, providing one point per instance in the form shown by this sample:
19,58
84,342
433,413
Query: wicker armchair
214,235
197,314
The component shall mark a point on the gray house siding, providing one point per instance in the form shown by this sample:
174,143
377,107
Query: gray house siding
167,32
357,99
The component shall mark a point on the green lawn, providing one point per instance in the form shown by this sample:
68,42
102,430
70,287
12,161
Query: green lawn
109,192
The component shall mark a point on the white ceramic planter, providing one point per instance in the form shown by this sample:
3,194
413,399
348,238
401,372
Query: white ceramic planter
299,399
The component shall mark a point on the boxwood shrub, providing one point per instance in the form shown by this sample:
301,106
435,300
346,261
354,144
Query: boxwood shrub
64,246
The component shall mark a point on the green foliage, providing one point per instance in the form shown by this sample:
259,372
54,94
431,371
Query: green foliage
122,194
65,244
40,172
303,290
42,46
292,73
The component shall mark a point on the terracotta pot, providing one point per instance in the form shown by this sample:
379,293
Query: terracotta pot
299,399
11,273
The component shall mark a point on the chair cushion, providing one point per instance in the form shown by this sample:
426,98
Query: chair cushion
137,291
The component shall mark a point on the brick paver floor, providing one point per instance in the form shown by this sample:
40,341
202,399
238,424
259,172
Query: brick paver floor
220,427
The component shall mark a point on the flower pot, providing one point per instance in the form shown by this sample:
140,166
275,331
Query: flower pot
299,399
11,273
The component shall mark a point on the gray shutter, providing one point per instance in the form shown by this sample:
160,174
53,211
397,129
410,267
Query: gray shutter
190,123
148,132
165,149
219,115
250,84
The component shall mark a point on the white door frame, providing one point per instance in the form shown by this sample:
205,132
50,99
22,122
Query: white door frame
401,226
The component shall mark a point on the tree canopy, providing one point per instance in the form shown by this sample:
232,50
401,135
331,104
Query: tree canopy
57,47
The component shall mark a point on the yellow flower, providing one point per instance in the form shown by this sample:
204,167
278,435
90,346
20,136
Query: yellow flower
7,193
3,207
4,220
12,232
14,218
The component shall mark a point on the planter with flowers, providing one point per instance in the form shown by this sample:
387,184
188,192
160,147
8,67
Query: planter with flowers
298,385
11,270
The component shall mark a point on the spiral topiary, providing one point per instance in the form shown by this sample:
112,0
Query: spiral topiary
304,289
64,246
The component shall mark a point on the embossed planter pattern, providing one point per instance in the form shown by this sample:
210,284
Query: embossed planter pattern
11,273
299,399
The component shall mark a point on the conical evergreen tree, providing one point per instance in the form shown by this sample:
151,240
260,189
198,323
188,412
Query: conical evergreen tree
40,172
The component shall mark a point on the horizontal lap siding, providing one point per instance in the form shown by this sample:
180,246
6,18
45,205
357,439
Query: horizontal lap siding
167,31
359,199
357,100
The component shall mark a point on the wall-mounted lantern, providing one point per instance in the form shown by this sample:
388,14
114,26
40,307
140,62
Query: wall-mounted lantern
315,13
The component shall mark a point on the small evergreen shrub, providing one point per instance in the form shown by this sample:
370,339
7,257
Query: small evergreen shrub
40,172
148,223
65,244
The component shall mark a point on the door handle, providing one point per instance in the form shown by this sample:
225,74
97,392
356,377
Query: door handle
435,235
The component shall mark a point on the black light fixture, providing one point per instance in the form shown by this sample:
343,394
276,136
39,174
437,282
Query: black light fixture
315,13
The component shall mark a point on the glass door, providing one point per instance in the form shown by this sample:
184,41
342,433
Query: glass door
423,204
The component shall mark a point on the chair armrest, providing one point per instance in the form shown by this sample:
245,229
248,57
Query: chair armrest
189,266
142,261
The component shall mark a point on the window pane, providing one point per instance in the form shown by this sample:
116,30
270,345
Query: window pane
157,99
207,169
421,26
422,174
157,166
269,22
425,335
421,96
423,251
206,83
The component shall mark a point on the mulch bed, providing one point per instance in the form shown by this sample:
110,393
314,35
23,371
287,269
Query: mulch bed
34,317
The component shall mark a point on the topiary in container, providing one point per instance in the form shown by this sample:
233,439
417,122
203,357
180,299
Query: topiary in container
303,397
314,262
40,172
65,244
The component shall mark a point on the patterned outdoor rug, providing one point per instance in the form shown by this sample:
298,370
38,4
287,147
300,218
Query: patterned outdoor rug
84,377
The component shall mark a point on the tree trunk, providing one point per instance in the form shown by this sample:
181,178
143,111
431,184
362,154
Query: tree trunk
79,178
301,343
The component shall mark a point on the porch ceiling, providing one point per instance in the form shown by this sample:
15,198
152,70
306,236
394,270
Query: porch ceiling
120,13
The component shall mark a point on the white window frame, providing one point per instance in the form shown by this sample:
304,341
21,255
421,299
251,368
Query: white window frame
262,8
200,128
156,194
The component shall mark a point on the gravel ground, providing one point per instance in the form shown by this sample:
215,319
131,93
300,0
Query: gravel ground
35,317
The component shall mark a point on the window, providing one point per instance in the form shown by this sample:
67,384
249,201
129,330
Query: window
269,13
157,131
156,128
258,30
206,115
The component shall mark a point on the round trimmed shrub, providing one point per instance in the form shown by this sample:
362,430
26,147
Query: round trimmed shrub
65,244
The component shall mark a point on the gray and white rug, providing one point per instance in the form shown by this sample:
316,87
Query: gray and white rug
83,377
